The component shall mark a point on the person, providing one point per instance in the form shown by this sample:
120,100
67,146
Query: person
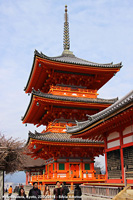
77,192
65,191
47,192
29,183
35,193
10,191
21,195
58,191
20,187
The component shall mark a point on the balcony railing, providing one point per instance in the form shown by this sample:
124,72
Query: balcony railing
64,176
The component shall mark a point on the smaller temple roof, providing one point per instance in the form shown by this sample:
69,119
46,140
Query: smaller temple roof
75,99
92,119
32,163
60,137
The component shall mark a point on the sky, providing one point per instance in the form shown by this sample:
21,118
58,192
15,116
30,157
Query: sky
100,31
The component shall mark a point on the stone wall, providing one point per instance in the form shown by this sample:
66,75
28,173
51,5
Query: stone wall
114,164
128,160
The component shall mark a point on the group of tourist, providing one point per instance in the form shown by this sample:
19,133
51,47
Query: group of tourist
60,192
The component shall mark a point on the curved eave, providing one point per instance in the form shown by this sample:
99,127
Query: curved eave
62,142
63,100
102,116
74,99
88,63
28,108
53,61
89,131
31,74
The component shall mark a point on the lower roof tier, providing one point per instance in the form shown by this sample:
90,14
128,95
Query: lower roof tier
44,108
55,145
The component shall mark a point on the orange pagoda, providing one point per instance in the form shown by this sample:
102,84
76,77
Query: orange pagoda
64,89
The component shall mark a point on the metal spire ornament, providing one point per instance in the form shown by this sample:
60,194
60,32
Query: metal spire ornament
66,40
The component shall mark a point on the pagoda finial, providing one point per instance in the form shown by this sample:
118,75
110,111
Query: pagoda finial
66,40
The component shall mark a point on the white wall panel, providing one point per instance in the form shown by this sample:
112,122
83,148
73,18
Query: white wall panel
127,130
113,135
84,175
90,175
113,144
128,139
61,175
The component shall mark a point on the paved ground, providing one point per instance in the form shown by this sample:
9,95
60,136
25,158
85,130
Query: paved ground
84,197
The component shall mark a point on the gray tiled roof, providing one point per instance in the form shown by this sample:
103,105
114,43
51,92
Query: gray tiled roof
71,58
75,99
102,114
30,162
59,137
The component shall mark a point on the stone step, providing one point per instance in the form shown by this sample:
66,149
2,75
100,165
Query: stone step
130,192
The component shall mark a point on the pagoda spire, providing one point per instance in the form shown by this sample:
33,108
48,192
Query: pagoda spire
66,40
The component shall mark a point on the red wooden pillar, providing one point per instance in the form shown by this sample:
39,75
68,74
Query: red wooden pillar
71,186
27,178
43,186
81,169
55,165
92,166
106,165
46,172
121,156
67,168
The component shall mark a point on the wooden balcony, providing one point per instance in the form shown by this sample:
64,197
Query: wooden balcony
75,92
57,127
63,176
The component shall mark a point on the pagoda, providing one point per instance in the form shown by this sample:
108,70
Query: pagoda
64,89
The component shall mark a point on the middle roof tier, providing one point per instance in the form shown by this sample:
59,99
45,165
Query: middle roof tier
44,108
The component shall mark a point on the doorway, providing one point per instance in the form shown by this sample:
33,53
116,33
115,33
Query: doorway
74,170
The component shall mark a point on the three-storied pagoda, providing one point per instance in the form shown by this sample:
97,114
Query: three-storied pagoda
64,89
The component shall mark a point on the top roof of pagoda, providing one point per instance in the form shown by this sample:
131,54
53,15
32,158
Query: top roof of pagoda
68,57
50,70
46,70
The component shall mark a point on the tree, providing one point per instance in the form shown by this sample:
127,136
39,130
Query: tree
100,166
11,154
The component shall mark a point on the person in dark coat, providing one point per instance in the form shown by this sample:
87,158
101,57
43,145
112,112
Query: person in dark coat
35,193
58,191
21,195
77,192
65,191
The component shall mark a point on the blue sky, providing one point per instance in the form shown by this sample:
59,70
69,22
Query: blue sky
100,31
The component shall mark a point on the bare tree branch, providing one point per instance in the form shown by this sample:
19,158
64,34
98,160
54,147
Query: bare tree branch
11,154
